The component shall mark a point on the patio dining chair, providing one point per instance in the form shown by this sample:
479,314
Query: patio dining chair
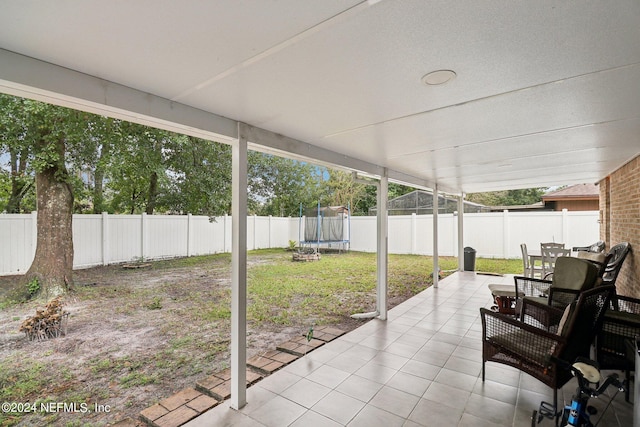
549,257
524,344
552,245
529,267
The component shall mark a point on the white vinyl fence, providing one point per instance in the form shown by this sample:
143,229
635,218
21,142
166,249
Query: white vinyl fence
107,239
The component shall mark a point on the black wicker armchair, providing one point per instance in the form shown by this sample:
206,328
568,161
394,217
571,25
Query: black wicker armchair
571,276
619,325
527,345
618,253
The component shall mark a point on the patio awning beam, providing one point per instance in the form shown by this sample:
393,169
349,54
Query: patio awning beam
42,81
31,78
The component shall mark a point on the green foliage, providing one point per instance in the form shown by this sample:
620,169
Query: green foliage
122,167
526,196
33,286
20,380
199,177
278,186
155,304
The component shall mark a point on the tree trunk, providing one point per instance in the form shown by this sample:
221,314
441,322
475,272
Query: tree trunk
53,261
153,193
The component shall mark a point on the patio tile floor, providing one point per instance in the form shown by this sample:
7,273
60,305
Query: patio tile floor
419,368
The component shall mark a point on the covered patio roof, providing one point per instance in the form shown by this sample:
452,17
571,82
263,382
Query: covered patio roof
533,94
544,93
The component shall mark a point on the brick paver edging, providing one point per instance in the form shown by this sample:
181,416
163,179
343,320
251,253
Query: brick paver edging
209,392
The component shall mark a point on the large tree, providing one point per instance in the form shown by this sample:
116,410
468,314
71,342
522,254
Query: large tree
12,147
277,186
43,136
198,175
137,175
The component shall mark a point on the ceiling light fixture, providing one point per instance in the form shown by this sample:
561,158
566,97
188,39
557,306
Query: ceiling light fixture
438,77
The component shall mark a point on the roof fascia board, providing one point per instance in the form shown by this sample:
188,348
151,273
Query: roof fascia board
31,78
274,143
35,79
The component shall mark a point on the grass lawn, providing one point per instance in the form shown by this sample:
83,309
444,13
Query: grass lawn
136,336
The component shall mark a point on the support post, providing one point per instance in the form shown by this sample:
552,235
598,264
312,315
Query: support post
239,271
461,232
436,267
382,246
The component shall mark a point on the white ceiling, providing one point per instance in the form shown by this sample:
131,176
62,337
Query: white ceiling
546,93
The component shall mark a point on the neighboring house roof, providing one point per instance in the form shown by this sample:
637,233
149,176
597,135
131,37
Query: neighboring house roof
575,192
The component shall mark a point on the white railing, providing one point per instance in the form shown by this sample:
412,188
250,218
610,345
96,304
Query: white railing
107,239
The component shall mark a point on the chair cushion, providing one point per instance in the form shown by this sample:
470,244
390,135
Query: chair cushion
592,256
565,321
503,290
574,273
519,342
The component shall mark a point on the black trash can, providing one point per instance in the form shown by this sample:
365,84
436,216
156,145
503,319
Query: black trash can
469,259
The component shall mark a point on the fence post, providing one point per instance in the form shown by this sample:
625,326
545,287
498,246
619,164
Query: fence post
189,233
34,234
565,228
413,233
269,231
506,234
105,238
255,230
143,235
224,234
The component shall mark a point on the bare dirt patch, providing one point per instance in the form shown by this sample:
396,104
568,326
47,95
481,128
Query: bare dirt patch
135,336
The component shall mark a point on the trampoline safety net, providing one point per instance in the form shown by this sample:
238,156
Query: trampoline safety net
330,221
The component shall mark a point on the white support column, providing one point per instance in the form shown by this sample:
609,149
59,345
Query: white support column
239,271
461,232
382,246
436,267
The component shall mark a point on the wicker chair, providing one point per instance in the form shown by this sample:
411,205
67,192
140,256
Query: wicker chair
619,325
597,247
525,345
618,253
571,276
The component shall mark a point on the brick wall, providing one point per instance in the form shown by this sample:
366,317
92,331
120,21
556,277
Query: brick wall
620,221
